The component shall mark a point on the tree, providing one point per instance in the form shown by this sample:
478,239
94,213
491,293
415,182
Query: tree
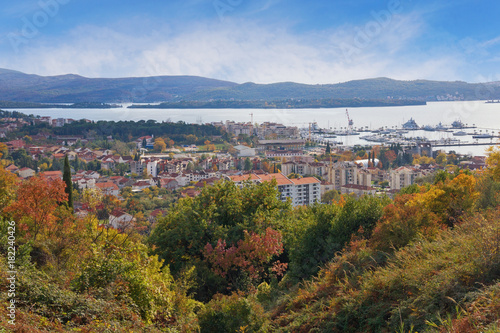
402,222
36,204
159,145
191,138
248,164
250,255
223,213
493,162
121,148
328,149
330,196
8,182
69,184
391,156
441,159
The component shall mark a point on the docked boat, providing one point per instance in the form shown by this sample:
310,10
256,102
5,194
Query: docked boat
460,133
457,124
410,125
482,136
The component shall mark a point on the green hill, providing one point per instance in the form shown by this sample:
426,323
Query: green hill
19,87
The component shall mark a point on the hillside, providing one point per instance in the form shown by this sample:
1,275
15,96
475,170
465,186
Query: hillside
19,87
378,88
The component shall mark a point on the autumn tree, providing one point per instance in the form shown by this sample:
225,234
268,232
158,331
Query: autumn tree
37,201
159,145
223,212
251,256
493,162
8,182
402,222
191,138
450,199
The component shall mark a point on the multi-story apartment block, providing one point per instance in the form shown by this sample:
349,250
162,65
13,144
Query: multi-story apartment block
303,191
343,173
403,177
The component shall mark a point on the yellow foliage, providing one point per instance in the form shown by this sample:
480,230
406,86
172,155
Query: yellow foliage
493,162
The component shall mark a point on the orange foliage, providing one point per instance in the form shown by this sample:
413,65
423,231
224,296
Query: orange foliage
37,201
402,222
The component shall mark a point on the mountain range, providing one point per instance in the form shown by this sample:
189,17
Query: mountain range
20,87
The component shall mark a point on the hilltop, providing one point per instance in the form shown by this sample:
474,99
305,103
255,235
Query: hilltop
20,87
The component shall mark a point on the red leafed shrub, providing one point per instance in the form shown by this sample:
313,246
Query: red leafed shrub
252,255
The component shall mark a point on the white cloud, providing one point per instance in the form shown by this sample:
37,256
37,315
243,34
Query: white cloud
241,51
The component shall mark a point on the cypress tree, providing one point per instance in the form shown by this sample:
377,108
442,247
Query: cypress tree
69,183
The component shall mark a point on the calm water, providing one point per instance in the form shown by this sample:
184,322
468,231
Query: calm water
485,116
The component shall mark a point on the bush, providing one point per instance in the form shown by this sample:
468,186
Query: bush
234,313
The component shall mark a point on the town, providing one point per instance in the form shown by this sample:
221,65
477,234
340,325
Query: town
148,173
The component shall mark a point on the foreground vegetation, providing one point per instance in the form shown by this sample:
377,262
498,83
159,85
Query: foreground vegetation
240,260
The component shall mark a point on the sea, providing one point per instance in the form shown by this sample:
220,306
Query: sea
484,116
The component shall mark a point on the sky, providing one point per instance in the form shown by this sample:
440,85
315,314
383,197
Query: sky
262,41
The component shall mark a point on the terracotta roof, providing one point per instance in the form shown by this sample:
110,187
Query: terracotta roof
244,177
157,212
119,212
51,174
107,185
306,180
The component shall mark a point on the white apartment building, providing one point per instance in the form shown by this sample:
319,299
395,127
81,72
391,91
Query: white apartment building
303,191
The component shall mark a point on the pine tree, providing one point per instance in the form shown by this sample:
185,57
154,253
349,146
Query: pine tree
328,148
69,183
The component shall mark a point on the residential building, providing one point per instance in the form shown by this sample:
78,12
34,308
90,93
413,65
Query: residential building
403,177
119,219
358,190
244,151
303,191
108,188
26,172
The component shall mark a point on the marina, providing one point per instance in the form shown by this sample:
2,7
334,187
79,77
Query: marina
460,119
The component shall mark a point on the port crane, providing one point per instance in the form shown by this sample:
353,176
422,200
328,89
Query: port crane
350,122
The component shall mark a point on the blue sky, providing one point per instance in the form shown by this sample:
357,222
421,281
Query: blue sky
261,41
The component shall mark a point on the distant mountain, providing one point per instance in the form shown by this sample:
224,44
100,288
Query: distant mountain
19,87
379,88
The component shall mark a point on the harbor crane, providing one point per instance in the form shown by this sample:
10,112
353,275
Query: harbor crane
350,122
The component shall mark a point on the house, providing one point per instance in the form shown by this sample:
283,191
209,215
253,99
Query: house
168,183
141,185
119,219
108,188
190,192
26,172
14,145
155,214
52,175
206,182
12,168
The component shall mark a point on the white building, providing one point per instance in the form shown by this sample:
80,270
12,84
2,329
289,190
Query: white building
152,168
244,151
303,191
118,219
